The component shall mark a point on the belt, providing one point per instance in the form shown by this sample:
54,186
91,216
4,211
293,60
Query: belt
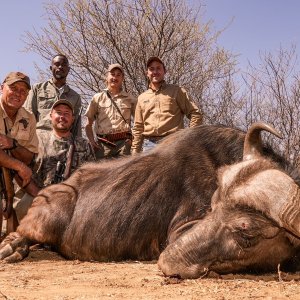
113,137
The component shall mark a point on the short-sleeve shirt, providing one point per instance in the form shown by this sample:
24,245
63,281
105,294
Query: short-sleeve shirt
53,149
107,117
23,129
41,98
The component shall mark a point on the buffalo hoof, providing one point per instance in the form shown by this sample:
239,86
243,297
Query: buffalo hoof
14,248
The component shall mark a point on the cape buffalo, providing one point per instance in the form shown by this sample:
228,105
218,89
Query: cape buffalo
171,203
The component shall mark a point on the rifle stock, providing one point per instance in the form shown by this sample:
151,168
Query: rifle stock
31,188
1,219
70,155
7,195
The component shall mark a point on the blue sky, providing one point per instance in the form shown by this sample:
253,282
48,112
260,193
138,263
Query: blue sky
258,25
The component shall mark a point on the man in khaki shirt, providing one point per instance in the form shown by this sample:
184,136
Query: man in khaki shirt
161,109
111,111
17,127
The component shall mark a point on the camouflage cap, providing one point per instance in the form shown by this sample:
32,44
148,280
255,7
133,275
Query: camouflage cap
154,58
63,101
13,77
115,66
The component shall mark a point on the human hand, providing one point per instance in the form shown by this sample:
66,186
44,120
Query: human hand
95,145
6,142
25,174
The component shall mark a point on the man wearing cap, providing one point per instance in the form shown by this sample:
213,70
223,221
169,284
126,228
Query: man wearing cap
111,111
161,109
17,127
54,144
53,148
44,94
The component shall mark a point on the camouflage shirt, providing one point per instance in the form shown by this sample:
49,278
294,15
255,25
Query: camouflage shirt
53,149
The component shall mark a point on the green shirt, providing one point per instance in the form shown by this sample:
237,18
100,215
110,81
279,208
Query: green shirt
41,98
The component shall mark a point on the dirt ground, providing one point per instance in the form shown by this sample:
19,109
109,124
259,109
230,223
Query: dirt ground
46,275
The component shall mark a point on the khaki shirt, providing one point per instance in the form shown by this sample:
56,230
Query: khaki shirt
41,98
107,118
23,129
53,149
159,113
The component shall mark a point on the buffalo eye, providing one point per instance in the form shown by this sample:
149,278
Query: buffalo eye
245,241
244,236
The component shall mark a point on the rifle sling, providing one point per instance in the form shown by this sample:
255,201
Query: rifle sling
117,107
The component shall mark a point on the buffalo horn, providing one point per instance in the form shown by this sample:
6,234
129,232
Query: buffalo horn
285,210
253,144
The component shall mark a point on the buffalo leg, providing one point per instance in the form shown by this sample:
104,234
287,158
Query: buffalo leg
14,248
44,223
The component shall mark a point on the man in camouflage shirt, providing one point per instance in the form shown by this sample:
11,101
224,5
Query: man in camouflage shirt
54,145
53,148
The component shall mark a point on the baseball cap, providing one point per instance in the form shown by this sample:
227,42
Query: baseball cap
63,101
115,66
13,77
154,58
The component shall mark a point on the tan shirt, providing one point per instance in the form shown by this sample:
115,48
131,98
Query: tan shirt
23,129
107,118
41,98
159,113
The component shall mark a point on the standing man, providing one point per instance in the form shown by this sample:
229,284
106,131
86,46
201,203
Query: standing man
161,109
17,127
53,149
44,94
111,110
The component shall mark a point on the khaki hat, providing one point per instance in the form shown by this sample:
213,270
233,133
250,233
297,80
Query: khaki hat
154,58
63,101
115,66
13,77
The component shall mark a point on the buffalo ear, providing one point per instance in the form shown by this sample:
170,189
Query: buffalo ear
253,144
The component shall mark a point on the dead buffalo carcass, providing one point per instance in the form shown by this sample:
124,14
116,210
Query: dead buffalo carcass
162,204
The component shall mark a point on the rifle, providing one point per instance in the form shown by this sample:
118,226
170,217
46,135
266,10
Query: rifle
7,197
63,169
106,142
